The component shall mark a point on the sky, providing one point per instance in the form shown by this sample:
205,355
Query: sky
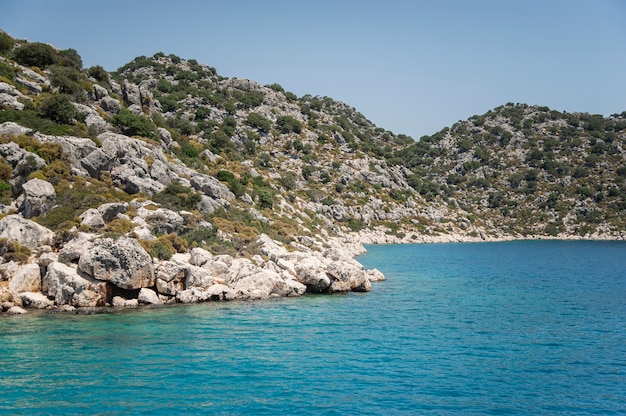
410,66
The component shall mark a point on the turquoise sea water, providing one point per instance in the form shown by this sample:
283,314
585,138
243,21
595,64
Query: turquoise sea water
481,328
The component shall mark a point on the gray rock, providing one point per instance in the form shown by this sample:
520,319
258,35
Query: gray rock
39,198
201,278
73,249
161,220
68,287
311,273
16,310
347,276
208,205
110,210
212,187
193,295
99,92
29,163
110,105
119,301
26,279
35,300
166,138
220,292
92,218
131,94
10,128
26,232
122,262
200,256
374,275
148,297
46,258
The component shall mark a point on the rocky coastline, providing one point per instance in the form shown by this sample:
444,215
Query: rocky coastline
93,271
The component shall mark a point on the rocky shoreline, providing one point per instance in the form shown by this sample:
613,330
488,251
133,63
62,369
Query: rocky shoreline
93,271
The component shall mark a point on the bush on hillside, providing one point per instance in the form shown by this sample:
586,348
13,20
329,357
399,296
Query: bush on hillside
288,124
60,109
134,125
6,43
259,122
98,73
35,54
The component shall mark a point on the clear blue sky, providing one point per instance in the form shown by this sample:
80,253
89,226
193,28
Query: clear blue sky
410,66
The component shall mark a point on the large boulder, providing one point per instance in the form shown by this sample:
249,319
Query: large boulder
311,272
26,232
122,262
39,196
201,277
210,186
347,276
26,279
68,287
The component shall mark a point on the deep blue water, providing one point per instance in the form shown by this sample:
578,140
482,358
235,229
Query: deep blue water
480,328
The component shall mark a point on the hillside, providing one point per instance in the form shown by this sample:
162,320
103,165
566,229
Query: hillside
175,160
522,170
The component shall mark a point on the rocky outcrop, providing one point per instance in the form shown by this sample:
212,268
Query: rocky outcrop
24,231
26,279
66,286
39,198
123,262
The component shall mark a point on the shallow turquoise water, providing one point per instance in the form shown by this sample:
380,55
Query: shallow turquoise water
482,328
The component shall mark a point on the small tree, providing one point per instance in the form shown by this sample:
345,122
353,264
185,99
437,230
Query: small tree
132,124
98,73
70,58
288,124
259,122
60,109
35,54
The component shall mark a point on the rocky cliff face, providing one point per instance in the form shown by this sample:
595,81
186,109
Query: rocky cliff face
165,182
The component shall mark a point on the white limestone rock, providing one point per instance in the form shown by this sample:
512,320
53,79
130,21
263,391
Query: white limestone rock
122,262
67,287
26,232
26,279
148,297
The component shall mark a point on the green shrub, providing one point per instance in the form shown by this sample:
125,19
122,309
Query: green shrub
35,54
6,43
60,109
177,197
288,124
7,71
13,251
70,58
134,125
98,73
66,79
248,99
259,122
265,198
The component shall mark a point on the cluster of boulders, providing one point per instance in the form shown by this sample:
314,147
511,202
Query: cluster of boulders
94,271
